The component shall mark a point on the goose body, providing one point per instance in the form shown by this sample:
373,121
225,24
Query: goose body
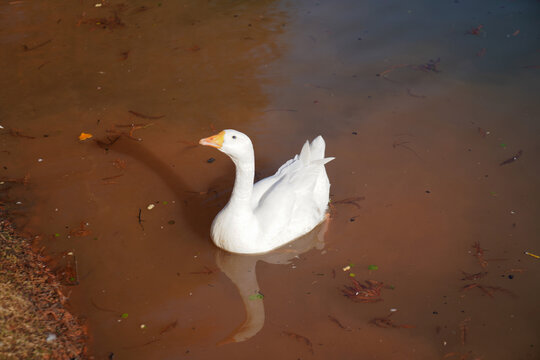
276,210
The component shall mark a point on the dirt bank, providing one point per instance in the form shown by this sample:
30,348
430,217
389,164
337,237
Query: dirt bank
34,324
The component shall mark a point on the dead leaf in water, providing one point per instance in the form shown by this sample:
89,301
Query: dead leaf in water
81,231
85,136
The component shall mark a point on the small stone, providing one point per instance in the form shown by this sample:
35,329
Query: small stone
51,337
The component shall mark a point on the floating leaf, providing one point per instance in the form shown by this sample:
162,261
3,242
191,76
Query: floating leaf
85,136
124,315
56,235
373,267
352,274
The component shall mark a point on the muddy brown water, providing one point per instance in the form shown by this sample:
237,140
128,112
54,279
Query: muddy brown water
419,102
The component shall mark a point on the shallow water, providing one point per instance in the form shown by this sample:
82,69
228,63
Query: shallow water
419,143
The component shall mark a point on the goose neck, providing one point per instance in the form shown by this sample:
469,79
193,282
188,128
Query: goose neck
243,184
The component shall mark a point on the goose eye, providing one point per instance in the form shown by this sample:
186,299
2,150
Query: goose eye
234,136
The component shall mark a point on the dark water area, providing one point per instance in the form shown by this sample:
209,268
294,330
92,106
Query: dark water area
420,102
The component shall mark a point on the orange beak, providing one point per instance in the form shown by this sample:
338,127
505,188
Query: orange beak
214,141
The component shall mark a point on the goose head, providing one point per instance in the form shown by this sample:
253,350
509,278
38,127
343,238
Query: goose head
233,143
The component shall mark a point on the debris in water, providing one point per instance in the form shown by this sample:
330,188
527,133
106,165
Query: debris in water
140,9
397,143
103,308
479,254
17,133
119,164
465,356
25,180
333,319
431,65
351,201
151,206
385,322
488,290
475,31
531,254
81,231
85,136
111,22
477,276
373,267
108,180
124,55
368,293
206,271
132,129
110,141
148,117
300,338
464,328
30,48
168,327
140,220
483,132
68,269
512,159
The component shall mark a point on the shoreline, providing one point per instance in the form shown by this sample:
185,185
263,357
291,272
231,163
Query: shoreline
34,321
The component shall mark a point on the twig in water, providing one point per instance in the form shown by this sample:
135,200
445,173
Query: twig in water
30,48
168,327
464,328
300,338
140,220
395,144
513,158
289,110
148,117
333,319
351,201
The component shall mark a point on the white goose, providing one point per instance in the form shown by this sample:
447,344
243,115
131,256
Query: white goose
276,210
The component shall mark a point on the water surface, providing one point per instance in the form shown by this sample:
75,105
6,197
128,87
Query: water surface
420,102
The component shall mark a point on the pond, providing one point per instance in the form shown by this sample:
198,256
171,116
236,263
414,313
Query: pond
430,109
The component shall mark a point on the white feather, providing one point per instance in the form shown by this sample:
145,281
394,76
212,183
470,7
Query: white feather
276,210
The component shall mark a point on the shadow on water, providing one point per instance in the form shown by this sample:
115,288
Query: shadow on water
241,270
198,209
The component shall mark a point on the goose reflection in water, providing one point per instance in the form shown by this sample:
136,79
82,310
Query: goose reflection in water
241,270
